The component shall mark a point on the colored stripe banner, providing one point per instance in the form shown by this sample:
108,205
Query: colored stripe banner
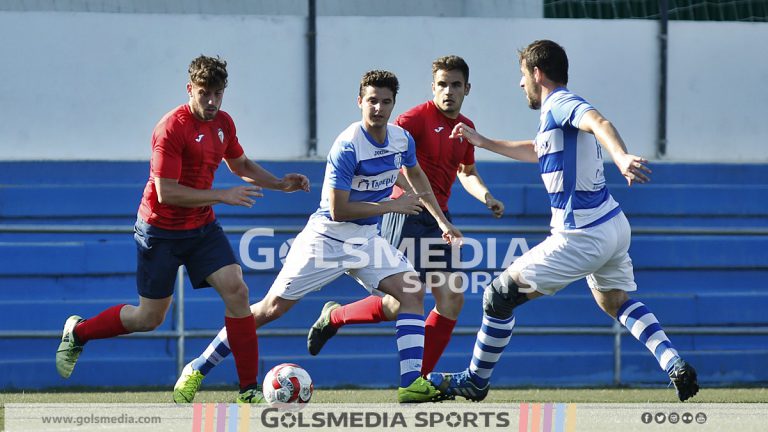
547,417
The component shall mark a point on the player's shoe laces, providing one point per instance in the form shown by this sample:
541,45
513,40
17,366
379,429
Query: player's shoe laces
451,385
69,350
251,396
187,385
322,330
683,376
419,391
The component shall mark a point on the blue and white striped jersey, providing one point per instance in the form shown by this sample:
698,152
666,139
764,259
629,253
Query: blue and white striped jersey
571,164
365,168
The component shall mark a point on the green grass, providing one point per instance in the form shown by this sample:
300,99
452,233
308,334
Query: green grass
714,395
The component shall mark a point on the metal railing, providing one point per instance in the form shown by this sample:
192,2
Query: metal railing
181,333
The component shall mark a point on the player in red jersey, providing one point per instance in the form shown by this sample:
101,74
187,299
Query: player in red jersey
443,159
176,225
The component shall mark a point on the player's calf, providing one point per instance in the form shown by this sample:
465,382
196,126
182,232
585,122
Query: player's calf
500,298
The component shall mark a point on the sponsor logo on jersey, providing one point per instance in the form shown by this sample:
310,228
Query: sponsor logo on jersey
221,135
199,137
374,183
438,129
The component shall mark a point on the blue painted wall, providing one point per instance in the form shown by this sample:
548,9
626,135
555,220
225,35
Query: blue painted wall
686,279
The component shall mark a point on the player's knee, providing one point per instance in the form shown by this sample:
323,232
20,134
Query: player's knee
237,291
611,301
501,297
149,321
449,301
410,298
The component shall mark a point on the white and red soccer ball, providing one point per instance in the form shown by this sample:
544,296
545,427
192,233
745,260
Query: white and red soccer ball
287,383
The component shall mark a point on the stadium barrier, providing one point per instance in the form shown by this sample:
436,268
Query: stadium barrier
181,333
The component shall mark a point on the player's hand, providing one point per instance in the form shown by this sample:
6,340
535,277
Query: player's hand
633,168
408,204
495,206
293,182
461,130
451,234
241,195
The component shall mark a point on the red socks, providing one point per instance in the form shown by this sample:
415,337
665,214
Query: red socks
366,311
437,334
241,333
107,324
437,328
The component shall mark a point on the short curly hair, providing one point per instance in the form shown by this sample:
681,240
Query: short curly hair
208,72
380,78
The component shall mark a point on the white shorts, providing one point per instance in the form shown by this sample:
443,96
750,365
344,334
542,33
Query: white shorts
599,253
316,259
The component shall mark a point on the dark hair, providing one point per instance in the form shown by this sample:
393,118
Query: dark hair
380,78
449,63
549,57
208,72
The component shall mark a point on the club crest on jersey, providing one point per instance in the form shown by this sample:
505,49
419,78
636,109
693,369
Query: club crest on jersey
398,160
221,135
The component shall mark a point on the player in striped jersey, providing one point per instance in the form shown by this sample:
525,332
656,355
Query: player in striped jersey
590,234
443,159
341,237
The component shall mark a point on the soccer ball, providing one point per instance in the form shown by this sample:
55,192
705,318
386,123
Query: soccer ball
288,383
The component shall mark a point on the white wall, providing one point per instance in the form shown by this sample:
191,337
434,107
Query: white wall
600,62
93,85
718,91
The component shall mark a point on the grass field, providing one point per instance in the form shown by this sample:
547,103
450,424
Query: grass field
715,395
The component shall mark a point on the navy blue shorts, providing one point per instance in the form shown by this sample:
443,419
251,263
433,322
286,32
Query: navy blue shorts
407,232
160,252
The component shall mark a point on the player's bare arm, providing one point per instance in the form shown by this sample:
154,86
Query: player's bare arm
472,182
170,192
402,183
519,150
256,175
342,209
632,167
420,184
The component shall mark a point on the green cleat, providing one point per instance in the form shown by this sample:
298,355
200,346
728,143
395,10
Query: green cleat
69,350
187,385
419,391
251,396
322,330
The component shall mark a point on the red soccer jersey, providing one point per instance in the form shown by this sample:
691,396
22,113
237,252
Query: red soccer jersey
189,150
438,155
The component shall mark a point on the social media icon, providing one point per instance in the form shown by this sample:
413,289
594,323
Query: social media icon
673,418
687,417
661,418
646,417
701,418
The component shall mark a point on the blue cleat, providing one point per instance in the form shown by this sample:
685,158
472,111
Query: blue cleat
451,385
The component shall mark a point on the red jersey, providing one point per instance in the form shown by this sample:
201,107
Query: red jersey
438,155
190,150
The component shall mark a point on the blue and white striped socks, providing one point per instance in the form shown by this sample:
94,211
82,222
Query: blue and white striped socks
410,344
216,351
644,326
492,338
